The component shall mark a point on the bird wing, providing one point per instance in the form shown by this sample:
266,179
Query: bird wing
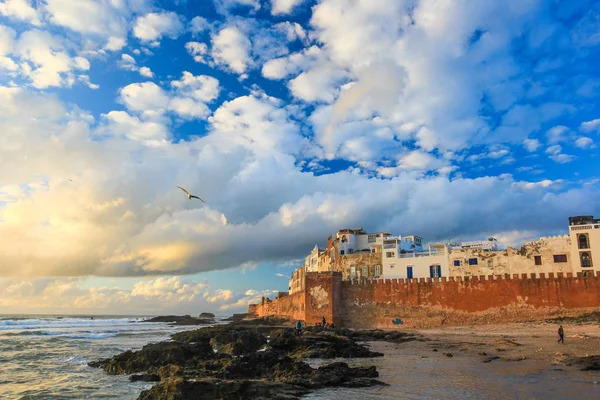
196,197
186,192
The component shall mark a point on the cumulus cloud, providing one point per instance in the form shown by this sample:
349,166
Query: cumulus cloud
126,218
284,6
531,145
46,61
584,142
128,63
153,26
21,10
231,48
164,295
198,51
590,126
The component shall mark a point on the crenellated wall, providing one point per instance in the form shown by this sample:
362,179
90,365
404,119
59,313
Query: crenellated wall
429,302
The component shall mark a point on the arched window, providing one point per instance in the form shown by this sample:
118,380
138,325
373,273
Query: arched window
583,242
586,260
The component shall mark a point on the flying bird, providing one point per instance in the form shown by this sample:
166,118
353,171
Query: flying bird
191,196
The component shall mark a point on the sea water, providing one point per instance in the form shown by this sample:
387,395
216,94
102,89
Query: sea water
46,357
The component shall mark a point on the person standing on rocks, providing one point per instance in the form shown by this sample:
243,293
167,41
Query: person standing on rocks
324,321
299,328
561,335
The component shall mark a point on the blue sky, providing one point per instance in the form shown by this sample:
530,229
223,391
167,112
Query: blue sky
292,119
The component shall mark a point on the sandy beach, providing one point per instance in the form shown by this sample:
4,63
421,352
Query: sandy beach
516,341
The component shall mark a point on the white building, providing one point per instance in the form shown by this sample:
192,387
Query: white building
351,241
490,244
432,263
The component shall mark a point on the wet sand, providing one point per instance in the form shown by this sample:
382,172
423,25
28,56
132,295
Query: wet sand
516,341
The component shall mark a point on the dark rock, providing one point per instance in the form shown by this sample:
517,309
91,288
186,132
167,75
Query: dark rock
180,389
145,378
206,315
490,359
318,345
154,355
236,317
589,363
180,320
448,354
377,335
225,339
434,350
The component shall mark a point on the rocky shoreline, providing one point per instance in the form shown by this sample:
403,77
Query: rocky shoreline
258,359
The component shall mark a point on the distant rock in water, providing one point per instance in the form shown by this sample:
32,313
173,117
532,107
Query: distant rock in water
206,315
236,317
180,320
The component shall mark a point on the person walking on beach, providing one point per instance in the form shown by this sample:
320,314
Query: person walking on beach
299,328
561,335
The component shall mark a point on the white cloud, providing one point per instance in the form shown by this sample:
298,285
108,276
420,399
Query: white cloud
144,97
555,149
153,26
418,160
531,145
45,60
99,17
590,126
122,124
146,72
115,43
556,134
284,6
535,185
198,25
562,158
165,295
231,48
20,9
198,51
203,88
584,142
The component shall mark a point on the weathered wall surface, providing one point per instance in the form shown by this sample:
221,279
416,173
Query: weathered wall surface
343,264
429,301
514,261
323,295
290,306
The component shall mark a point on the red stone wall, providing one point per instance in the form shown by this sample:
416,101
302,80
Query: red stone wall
375,304
290,306
431,302
323,297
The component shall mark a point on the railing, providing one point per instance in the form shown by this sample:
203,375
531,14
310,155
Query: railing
581,227
420,254
390,246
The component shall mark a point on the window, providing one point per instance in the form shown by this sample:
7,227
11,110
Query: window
389,254
586,260
473,261
560,258
490,263
538,260
365,271
435,271
352,272
582,239
372,238
457,263
392,266
377,271
342,252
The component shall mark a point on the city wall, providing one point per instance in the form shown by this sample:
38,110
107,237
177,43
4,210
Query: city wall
435,302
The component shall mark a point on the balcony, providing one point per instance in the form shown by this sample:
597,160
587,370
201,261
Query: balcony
390,245
580,227
420,254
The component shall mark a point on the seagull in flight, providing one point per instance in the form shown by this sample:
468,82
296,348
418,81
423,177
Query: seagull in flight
190,196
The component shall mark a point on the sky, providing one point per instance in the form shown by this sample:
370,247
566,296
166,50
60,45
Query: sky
448,119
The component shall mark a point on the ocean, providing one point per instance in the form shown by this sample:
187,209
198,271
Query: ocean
45,357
